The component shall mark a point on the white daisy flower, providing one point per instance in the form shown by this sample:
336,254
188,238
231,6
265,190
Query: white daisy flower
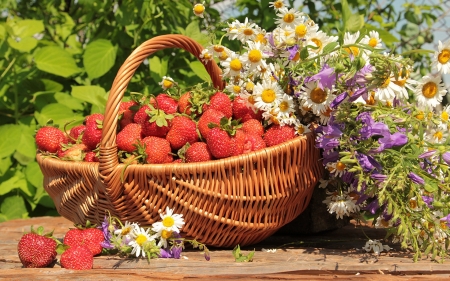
283,36
388,90
373,39
199,9
170,222
163,236
261,36
278,4
336,168
287,17
301,129
246,31
437,134
325,116
267,94
126,229
404,83
444,115
375,246
140,238
285,108
167,83
349,39
319,39
430,91
413,204
263,71
305,28
381,223
236,88
254,55
233,65
441,60
316,98
232,30
205,56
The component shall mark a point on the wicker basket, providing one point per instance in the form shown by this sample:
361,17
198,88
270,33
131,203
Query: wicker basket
237,200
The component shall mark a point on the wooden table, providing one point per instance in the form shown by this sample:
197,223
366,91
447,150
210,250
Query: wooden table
332,255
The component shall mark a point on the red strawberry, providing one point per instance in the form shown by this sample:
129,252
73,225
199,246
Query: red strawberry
179,160
76,133
50,139
91,156
89,237
129,137
219,143
182,131
253,126
93,133
198,152
241,111
184,104
238,142
36,250
158,150
209,116
126,114
73,237
166,103
221,102
253,142
77,257
75,152
152,129
141,115
277,134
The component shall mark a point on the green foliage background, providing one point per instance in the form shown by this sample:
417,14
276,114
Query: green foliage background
58,60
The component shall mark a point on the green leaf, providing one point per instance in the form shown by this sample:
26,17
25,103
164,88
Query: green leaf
34,175
99,57
5,163
200,70
60,114
9,136
346,12
355,22
54,60
69,101
329,47
24,45
92,94
384,35
10,181
52,86
13,207
26,150
27,28
46,200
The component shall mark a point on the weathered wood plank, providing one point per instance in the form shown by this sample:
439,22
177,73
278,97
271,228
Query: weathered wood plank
327,256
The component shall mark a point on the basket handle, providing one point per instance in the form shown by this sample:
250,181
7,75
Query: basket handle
108,148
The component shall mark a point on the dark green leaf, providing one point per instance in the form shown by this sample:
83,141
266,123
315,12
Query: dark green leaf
57,61
99,57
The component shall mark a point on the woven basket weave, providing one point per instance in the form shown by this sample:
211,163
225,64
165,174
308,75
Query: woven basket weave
237,200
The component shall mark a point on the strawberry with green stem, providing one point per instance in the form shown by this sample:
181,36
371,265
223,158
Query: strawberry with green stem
36,249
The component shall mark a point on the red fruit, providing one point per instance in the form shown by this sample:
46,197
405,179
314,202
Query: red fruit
89,237
76,133
78,258
141,115
91,156
219,143
93,133
253,143
158,150
152,129
277,134
36,250
50,139
184,105
253,126
182,131
129,137
241,111
126,115
221,102
75,152
198,152
209,116
179,160
166,103
125,105
238,142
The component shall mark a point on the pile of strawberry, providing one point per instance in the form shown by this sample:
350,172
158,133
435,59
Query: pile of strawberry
77,250
198,126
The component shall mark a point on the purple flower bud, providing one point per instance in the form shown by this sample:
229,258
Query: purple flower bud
446,157
427,154
373,206
338,100
207,256
330,156
388,141
428,200
416,179
374,129
365,118
358,93
368,163
378,177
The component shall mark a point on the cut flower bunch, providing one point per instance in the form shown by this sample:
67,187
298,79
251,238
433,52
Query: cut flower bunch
381,127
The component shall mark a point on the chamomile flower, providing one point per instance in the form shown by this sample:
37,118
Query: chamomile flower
289,18
441,60
382,223
376,247
254,55
283,36
319,39
340,204
373,39
261,36
263,72
316,98
199,9
206,56
126,229
236,88
305,28
285,107
444,115
233,65
246,31
336,168
388,90
167,83
404,82
437,134
170,222
430,91
301,129
278,4
325,116
140,238
164,236
267,94
349,39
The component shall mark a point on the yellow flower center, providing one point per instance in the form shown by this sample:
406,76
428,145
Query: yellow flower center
300,30
340,166
223,56
413,203
420,116
249,86
444,56
254,56
284,106
422,233
371,99
429,90
278,4
352,50
251,100
199,8
300,130
443,225
166,234
318,43
318,95
236,89
167,83
141,239
444,116
261,38
327,112
438,135
306,108
384,223
168,221
373,42
207,56
218,48
288,18
268,95
236,64
248,31
126,230
386,83
296,56
401,83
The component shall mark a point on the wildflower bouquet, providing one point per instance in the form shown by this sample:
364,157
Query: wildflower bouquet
384,134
